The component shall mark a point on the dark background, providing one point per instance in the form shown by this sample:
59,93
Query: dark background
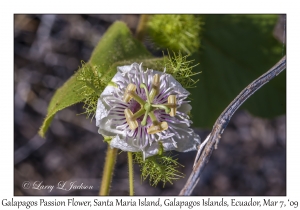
250,159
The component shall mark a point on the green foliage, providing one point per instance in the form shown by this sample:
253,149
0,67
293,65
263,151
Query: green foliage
64,96
176,32
159,168
181,69
117,45
236,49
93,84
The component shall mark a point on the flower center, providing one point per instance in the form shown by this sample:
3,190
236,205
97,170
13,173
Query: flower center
148,107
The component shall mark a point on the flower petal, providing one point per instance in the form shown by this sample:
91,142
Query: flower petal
184,108
108,128
167,144
117,142
125,69
177,86
101,111
186,138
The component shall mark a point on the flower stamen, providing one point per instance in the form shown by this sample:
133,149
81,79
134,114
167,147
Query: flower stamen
172,103
157,128
130,87
133,124
155,87
130,93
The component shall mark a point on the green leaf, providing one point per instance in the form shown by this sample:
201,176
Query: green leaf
236,49
64,96
116,47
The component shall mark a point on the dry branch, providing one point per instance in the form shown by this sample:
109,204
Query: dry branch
222,121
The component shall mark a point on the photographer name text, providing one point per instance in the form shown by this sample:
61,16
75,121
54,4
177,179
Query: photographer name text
62,185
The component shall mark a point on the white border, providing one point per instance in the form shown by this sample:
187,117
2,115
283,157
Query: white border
137,7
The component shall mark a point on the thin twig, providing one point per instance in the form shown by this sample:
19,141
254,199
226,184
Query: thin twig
222,122
200,148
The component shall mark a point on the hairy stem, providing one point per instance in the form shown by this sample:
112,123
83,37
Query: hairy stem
130,170
142,27
222,121
110,160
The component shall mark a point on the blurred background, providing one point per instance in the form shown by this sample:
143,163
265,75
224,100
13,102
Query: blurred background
250,159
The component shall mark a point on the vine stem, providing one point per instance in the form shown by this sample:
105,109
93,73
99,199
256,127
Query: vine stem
141,28
221,123
130,170
110,160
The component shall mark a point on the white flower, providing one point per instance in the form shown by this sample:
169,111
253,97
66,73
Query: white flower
146,111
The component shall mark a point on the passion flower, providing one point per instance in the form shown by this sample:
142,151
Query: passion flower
146,111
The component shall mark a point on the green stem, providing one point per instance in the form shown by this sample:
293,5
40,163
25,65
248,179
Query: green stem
161,106
153,118
130,170
110,160
138,114
144,121
146,91
141,29
137,98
